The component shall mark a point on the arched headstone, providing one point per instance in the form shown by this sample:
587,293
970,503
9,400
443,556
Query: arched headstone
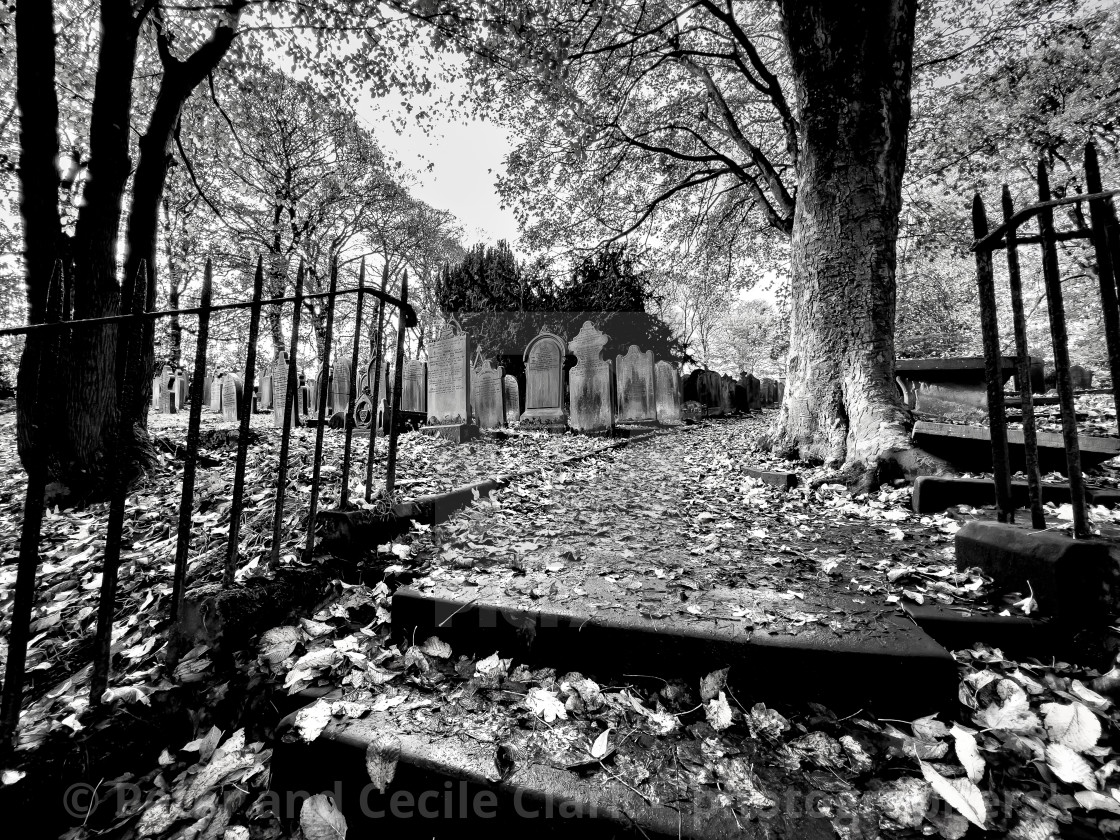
279,389
667,390
233,397
544,382
487,396
340,386
512,398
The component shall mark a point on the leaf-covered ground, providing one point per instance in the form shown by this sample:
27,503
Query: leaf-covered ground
72,541
1031,752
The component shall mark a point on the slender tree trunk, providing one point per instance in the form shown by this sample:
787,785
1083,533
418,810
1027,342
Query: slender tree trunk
174,281
852,66
275,281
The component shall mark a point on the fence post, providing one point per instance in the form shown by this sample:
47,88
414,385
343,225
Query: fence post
344,494
375,384
290,397
186,502
395,402
24,596
989,327
1057,309
106,607
243,429
1023,367
323,395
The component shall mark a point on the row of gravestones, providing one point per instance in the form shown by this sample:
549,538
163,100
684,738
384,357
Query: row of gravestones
708,393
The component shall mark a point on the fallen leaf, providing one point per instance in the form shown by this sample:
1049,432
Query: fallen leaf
320,819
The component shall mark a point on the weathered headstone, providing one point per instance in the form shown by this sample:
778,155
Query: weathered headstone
168,393
340,386
215,403
781,391
449,381
544,383
589,383
667,392
692,412
280,393
207,385
739,397
634,374
754,392
155,392
233,397
487,397
264,377
512,396
726,386
414,387
181,390
769,391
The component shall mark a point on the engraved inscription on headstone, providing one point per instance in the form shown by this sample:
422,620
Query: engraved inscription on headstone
449,381
667,390
487,396
512,396
591,404
340,386
280,393
634,371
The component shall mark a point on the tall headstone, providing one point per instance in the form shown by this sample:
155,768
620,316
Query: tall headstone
591,404
303,396
754,391
769,391
155,393
449,389
544,383
512,396
216,393
726,385
487,396
634,373
739,396
667,393
340,386
781,391
207,385
233,397
181,389
279,381
264,376
414,387
168,392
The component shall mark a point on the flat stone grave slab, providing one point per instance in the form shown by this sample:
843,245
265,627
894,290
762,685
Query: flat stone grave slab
934,493
969,448
955,388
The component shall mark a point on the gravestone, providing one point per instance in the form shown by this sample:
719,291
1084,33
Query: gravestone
215,403
754,392
414,388
1080,377
207,385
739,397
279,389
233,397
168,393
769,393
449,389
781,391
155,393
340,387
692,412
181,390
589,383
544,383
264,376
487,397
634,374
303,396
512,397
667,393
726,385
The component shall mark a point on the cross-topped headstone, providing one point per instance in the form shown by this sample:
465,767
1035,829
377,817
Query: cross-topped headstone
591,405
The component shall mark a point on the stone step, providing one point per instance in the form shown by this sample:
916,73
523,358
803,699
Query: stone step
834,650
445,782
934,493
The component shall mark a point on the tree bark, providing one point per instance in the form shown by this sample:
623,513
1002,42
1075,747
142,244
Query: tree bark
852,69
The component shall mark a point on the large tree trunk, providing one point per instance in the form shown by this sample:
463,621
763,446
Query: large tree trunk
852,69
